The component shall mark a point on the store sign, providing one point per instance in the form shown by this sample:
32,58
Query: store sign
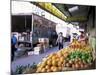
52,9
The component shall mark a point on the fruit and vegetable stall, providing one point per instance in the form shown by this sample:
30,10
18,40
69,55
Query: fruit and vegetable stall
77,56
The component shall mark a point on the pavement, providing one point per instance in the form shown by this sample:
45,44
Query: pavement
33,58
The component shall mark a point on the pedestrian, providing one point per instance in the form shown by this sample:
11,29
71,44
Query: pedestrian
60,40
13,46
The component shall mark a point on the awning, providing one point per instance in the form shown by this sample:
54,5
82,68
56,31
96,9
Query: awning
56,11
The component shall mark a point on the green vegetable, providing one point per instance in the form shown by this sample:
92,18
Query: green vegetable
84,56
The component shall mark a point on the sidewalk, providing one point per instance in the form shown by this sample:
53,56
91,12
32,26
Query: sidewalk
33,58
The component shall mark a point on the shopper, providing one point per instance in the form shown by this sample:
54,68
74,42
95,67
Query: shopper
60,40
13,48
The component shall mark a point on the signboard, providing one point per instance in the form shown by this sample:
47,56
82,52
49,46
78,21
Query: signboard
52,9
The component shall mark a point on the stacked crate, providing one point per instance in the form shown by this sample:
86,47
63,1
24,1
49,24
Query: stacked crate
37,50
44,42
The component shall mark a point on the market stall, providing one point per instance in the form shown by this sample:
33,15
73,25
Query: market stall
77,56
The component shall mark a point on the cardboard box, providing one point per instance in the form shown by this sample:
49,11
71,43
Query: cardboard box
30,52
43,40
37,52
37,49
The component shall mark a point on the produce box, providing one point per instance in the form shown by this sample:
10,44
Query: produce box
38,49
37,52
43,40
21,39
30,52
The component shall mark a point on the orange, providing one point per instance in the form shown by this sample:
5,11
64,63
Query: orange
47,67
49,62
54,62
59,63
62,59
54,58
48,70
54,68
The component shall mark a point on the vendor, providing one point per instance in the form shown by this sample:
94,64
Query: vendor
82,37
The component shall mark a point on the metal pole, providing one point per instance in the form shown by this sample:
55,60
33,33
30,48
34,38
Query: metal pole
25,29
32,31
25,22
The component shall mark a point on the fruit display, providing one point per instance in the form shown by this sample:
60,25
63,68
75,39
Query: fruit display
76,56
53,63
75,44
79,60
81,46
85,56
